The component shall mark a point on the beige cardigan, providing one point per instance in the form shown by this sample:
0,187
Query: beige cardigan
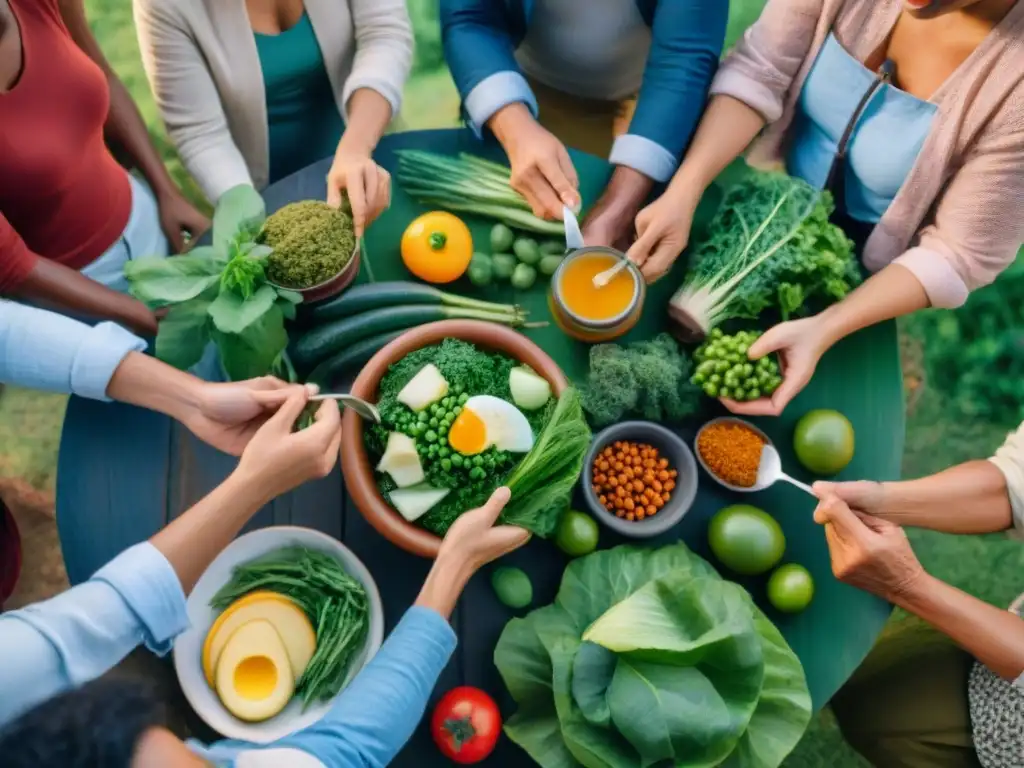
201,60
958,219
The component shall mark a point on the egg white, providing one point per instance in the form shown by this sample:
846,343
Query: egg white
506,426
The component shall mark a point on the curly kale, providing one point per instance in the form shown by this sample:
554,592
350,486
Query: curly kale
771,246
647,379
312,243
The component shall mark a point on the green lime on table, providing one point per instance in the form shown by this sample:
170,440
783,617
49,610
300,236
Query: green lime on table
577,534
746,539
824,441
512,586
791,588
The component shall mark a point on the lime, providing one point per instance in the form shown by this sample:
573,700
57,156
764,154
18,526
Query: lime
746,539
823,441
791,588
577,534
512,586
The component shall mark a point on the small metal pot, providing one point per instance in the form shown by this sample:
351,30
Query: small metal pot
586,329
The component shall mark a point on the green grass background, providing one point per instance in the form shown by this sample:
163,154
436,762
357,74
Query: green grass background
965,384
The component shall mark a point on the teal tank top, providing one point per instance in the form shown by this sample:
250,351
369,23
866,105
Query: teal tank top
302,114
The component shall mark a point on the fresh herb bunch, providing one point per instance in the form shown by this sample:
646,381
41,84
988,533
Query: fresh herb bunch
469,371
220,293
312,242
724,370
770,246
647,379
335,603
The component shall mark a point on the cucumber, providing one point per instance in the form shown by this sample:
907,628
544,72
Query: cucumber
365,298
330,338
349,359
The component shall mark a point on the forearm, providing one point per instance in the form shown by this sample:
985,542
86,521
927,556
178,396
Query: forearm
53,285
192,541
443,586
889,294
994,636
969,498
368,116
508,120
126,129
726,130
146,382
625,193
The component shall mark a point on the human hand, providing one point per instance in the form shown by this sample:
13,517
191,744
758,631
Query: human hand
276,460
474,540
542,171
868,552
227,416
800,345
867,496
177,217
663,232
610,226
367,184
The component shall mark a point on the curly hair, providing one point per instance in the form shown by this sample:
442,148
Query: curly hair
95,726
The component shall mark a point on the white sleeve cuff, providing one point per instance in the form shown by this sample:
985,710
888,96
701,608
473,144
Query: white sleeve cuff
494,92
102,349
151,588
643,155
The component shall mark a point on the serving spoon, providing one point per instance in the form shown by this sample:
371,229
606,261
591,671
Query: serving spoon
366,410
769,471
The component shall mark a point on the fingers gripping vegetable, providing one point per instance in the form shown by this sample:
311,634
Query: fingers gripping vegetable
437,247
466,725
725,371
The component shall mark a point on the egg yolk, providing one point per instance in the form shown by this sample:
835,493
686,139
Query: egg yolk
256,678
468,433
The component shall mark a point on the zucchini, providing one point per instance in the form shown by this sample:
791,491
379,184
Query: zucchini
364,298
349,359
331,338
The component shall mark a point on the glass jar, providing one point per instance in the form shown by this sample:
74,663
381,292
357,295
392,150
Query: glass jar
599,327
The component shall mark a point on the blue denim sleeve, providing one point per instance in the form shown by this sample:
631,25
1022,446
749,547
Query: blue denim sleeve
376,715
80,634
686,43
480,37
44,350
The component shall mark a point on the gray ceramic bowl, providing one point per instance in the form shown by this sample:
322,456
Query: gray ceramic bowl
671,447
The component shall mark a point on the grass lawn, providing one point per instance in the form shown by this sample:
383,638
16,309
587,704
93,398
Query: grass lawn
937,435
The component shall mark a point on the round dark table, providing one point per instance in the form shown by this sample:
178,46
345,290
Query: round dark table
124,472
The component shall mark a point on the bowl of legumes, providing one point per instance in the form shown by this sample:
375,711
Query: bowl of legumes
640,478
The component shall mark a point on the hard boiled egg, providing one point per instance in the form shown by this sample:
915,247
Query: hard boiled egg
254,675
488,421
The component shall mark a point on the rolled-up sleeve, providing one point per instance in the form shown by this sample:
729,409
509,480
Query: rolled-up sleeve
384,46
760,69
44,350
75,637
1010,461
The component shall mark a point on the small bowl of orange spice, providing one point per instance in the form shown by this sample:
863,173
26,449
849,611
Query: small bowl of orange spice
639,478
588,313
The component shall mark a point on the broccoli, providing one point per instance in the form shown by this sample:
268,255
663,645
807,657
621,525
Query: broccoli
312,243
650,379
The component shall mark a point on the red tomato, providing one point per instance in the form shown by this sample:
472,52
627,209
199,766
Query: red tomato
466,725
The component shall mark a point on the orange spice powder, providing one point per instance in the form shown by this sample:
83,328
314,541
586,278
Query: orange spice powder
732,452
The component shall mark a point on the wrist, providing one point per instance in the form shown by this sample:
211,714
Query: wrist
507,121
253,489
354,144
626,192
914,592
445,582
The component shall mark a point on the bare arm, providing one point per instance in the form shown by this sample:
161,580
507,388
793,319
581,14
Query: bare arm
993,636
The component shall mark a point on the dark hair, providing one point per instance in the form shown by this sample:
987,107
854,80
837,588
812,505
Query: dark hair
95,726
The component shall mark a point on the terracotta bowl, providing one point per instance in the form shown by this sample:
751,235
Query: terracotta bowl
333,285
355,462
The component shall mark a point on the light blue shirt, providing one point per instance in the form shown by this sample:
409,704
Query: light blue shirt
884,145
137,599
44,350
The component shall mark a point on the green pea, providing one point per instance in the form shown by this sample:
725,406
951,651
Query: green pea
748,370
434,422
431,436
699,378
463,397
754,394
478,460
476,473
722,366
725,392
714,379
446,465
444,453
457,410
716,333
457,459
423,417
442,441
739,394
731,380
417,430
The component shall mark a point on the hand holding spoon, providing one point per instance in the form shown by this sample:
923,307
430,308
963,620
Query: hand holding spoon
364,409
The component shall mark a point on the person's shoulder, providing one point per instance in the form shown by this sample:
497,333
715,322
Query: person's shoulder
48,10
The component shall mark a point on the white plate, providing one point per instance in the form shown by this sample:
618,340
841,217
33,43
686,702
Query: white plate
189,646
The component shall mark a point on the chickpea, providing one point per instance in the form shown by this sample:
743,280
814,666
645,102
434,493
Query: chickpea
651,509
640,514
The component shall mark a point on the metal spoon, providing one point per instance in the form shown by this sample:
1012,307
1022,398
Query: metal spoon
769,471
601,279
366,410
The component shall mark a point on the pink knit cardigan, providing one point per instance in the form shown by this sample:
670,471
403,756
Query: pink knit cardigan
958,219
